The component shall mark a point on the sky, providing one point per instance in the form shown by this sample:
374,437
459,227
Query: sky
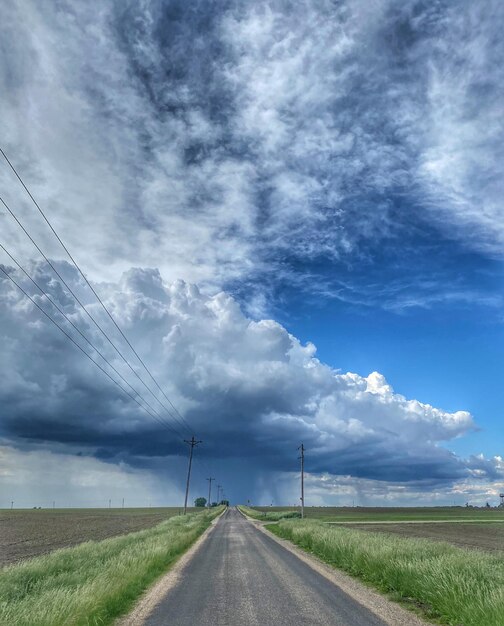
293,211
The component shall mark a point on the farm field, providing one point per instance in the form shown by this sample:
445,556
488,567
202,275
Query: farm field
479,529
389,514
479,536
26,533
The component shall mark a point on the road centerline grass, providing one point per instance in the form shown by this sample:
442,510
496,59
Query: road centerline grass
449,584
94,582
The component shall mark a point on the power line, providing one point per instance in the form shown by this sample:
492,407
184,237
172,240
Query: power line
92,288
79,347
180,419
89,342
77,299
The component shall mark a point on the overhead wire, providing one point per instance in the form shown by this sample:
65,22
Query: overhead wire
74,262
79,347
88,341
180,419
78,300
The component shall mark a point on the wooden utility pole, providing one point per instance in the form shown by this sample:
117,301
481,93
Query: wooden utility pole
210,491
219,487
302,448
192,443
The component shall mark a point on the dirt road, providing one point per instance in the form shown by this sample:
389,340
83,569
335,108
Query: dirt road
242,577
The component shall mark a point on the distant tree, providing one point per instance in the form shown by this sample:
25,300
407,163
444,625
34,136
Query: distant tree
225,502
200,502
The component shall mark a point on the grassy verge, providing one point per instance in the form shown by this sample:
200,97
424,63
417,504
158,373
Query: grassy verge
449,584
270,516
94,582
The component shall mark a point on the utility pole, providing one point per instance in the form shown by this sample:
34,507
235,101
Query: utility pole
210,490
219,487
12,505
192,443
109,503
302,448
123,503
53,504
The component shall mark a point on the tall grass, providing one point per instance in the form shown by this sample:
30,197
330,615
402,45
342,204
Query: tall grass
270,516
455,586
94,582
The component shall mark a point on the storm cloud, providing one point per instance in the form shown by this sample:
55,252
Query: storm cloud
248,388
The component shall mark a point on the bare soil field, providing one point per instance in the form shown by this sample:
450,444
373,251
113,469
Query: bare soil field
488,537
28,533
395,514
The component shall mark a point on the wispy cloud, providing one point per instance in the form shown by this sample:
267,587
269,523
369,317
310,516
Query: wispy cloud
220,143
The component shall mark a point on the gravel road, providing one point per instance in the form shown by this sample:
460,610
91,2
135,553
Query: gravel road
242,577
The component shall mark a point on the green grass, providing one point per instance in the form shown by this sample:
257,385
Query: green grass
449,584
94,582
270,516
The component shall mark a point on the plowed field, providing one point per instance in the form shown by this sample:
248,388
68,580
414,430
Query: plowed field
484,536
28,533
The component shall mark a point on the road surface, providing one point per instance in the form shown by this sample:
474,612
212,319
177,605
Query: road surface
242,577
